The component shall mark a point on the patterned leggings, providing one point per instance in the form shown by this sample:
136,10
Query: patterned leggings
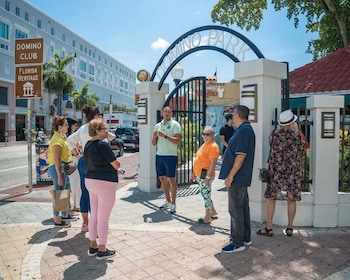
205,192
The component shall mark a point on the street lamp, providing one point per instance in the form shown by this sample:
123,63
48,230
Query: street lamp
177,73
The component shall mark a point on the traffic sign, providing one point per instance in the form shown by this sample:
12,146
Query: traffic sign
28,81
29,51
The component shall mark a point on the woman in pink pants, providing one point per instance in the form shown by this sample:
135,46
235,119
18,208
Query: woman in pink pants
101,181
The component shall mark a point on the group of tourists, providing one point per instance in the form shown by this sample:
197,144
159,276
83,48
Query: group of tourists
238,140
98,170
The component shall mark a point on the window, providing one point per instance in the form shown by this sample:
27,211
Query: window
21,102
4,46
20,34
17,12
91,70
83,66
4,30
26,16
39,23
63,37
69,105
7,68
52,51
3,96
52,31
7,5
73,43
121,85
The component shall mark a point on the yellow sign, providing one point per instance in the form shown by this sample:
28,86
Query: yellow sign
28,81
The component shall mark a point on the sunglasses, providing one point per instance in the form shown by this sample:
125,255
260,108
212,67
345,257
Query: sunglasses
206,134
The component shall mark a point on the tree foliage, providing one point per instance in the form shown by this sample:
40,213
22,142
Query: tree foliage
83,97
329,18
56,79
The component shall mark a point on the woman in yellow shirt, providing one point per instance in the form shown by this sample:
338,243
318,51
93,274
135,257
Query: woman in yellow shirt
59,153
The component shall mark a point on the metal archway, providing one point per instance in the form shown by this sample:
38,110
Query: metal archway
220,38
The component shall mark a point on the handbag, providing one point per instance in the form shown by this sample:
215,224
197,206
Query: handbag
264,175
69,167
61,199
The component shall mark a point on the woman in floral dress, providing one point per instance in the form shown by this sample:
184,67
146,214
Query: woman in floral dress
285,165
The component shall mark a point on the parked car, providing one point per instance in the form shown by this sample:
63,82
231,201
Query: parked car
130,136
117,146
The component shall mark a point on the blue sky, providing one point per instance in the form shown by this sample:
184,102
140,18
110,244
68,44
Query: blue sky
137,32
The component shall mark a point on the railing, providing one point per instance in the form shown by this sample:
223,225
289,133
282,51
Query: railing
306,123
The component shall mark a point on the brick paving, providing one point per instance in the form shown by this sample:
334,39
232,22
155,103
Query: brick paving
153,244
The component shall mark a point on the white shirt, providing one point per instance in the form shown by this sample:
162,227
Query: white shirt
82,136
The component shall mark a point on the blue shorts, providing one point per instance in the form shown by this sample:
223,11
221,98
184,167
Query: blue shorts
166,166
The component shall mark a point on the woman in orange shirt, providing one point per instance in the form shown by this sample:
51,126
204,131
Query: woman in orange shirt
204,172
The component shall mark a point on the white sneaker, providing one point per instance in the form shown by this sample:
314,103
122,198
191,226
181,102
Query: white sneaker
165,205
172,208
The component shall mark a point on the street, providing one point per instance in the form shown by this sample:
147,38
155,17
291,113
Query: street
14,166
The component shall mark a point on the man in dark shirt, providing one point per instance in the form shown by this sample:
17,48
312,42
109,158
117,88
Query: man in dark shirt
227,131
236,170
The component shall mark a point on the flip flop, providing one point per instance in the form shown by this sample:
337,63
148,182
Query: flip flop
215,217
201,221
268,232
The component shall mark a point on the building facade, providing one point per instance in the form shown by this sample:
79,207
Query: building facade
109,79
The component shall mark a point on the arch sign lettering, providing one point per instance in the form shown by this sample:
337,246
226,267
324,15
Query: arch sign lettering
219,38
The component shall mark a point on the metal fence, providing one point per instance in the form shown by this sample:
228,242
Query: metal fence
305,123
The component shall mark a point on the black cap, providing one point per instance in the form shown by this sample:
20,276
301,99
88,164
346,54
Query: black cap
71,121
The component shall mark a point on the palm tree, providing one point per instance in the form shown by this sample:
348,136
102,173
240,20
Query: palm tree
56,79
82,98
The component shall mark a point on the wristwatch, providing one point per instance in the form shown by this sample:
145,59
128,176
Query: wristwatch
166,136
207,177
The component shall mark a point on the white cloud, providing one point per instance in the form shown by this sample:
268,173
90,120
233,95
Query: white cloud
160,44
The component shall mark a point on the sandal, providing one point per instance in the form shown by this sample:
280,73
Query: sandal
268,232
202,221
288,231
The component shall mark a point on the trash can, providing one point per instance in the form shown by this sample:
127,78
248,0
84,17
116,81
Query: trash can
42,164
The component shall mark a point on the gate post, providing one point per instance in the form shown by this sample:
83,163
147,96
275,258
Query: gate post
325,160
260,91
154,101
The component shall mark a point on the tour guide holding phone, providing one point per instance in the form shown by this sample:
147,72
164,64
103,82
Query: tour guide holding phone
167,136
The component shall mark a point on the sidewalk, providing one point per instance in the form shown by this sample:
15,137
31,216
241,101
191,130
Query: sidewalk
153,244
